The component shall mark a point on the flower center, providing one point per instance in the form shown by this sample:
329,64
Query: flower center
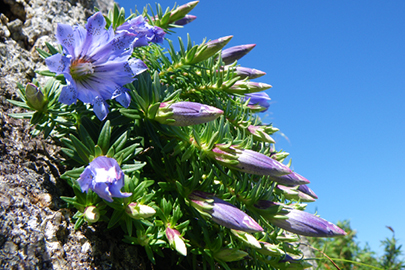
81,69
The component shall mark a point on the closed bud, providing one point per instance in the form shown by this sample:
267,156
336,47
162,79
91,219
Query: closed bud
91,214
224,213
35,97
185,20
292,193
232,54
291,179
246,73
300,222
139,211
210,48
249,161
259,133
246,87
258,102
186,113
230,255
175,241
305,189
181,11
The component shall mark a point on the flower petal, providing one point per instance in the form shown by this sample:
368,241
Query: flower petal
137,66
58,63
68,94
122,96
85,179
102,190
100,108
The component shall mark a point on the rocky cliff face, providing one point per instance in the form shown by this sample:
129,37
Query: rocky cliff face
35,230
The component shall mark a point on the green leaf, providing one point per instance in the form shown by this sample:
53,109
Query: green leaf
19,104
116,216
127,152
51,48
36,118
81,149
85,137
43,53
129,168
104,137
79,223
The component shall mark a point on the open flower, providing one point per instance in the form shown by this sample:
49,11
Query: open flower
105,177
95,64
144,32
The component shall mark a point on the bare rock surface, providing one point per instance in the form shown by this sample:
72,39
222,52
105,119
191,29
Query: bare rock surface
36,231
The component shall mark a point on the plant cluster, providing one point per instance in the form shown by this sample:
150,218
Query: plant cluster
168,146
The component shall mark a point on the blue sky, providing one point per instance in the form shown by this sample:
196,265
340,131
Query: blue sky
338,75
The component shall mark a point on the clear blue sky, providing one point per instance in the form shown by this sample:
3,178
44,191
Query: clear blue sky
338,75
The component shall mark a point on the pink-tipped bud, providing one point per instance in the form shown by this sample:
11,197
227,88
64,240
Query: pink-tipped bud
185,113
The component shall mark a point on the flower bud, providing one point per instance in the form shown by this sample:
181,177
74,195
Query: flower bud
247,238
300,222
232,54
292,193
259,133
244,72
246,87
249,161
305,189
210,48
258,102
224,213
35,97
291,179
91,214
185,20
230,255
186,113
181,11
175,241
139,211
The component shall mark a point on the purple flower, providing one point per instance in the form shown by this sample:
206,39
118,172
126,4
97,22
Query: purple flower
249,161
185,113
95,64
300,222
224,213
105,177
232,54
258,99
185,20
144,32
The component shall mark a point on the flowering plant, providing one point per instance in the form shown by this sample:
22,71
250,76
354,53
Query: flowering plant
167,145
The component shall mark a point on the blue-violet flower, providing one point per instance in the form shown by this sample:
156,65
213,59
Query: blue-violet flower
144,32
105,177
95,64
258,99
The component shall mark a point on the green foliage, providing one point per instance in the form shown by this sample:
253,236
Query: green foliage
346,253
164,164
